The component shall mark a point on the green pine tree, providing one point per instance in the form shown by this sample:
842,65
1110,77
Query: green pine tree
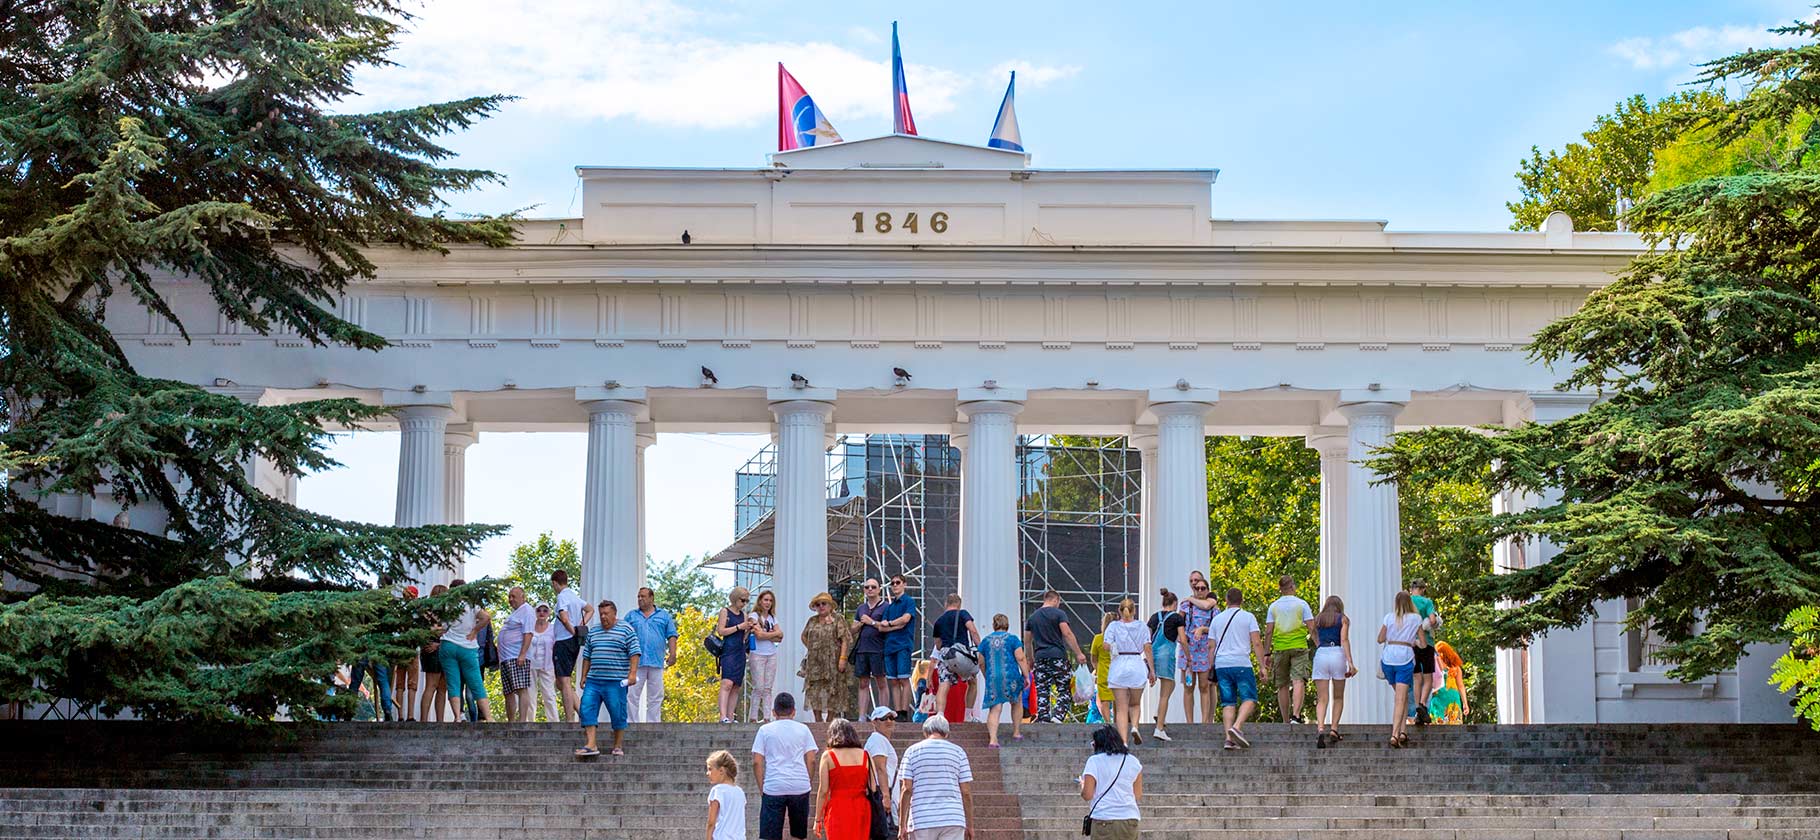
1692,484
202,140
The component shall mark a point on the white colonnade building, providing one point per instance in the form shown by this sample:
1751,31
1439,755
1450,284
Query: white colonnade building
1021,301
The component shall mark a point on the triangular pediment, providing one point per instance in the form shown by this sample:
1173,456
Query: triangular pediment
900,151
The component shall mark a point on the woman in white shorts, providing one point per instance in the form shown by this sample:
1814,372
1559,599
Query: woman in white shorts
1332,667
1131,669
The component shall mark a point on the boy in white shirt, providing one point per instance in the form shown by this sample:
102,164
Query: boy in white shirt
726,802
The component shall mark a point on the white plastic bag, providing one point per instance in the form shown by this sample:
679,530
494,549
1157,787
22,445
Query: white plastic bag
1084,687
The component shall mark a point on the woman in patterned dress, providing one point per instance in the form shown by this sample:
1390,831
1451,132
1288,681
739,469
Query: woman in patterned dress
1199,608
1002,668
824,658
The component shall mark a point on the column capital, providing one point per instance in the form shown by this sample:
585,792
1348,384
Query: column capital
419,414
821,408
647,436
459,436
1180,408
1166,396
638,410
594,393
992,406
779,395
401,399
1143,439
1549,406
1010,395
1353,411
1374,394
1330,441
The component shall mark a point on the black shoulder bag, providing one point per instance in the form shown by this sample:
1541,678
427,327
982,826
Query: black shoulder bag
1087,821
884,820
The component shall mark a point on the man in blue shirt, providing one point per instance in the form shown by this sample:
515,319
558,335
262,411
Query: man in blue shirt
656,629
609,666
899,626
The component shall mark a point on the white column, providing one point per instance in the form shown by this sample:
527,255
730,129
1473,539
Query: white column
421,475
1558,670
1333,445
610,565
989,578
455,443
800,561
1150,598
1180,504
1374,556
645,440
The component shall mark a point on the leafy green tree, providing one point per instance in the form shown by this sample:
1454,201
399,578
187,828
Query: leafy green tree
199,140
530,566
1618,155
1692,485
692,685
1264,521
1798,671
683,584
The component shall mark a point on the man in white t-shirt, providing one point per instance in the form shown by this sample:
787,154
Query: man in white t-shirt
515,656
569,626
937,797
782,753
881,754
1235,633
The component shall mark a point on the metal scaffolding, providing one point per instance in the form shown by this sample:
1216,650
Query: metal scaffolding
1078,507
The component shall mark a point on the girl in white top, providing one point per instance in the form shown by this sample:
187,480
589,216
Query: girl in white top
1397,659
1112,783
1130,670
761,664
726,802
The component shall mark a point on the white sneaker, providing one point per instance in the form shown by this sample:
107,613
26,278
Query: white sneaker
1160,735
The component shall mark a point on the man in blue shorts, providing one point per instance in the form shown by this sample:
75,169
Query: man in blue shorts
900,639
1236,640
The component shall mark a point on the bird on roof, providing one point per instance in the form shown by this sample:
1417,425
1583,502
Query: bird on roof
901,373
799,380
685,237
708,377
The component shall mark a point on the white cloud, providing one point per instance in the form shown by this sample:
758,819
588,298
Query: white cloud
644,59
1035,75
1681,50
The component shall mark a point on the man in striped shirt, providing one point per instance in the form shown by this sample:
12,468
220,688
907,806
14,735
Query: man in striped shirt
937,799
609,667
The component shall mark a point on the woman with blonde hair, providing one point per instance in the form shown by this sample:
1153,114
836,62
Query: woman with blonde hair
1002,669
825,642
1397,659
762,659
733,625
1332,667
1099,658
1128,645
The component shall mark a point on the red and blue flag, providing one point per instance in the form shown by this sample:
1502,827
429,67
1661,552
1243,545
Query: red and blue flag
800,124
901,121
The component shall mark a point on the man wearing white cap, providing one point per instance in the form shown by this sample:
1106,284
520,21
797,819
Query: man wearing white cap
880,752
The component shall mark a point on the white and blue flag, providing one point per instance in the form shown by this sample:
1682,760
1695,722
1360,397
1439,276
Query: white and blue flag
1004,129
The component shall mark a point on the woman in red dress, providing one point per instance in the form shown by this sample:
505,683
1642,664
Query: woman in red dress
842,811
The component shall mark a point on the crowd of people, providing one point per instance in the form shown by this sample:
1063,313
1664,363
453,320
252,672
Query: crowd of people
1211,647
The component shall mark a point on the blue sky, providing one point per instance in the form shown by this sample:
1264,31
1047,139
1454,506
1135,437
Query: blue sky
1413,112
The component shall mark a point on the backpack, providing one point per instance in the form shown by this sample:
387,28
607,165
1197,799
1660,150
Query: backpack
961,660
489,647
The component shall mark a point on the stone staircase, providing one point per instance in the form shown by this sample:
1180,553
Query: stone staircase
1644,782
370,780
364,780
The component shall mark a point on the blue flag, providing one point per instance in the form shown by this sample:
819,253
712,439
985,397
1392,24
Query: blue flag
1004,129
